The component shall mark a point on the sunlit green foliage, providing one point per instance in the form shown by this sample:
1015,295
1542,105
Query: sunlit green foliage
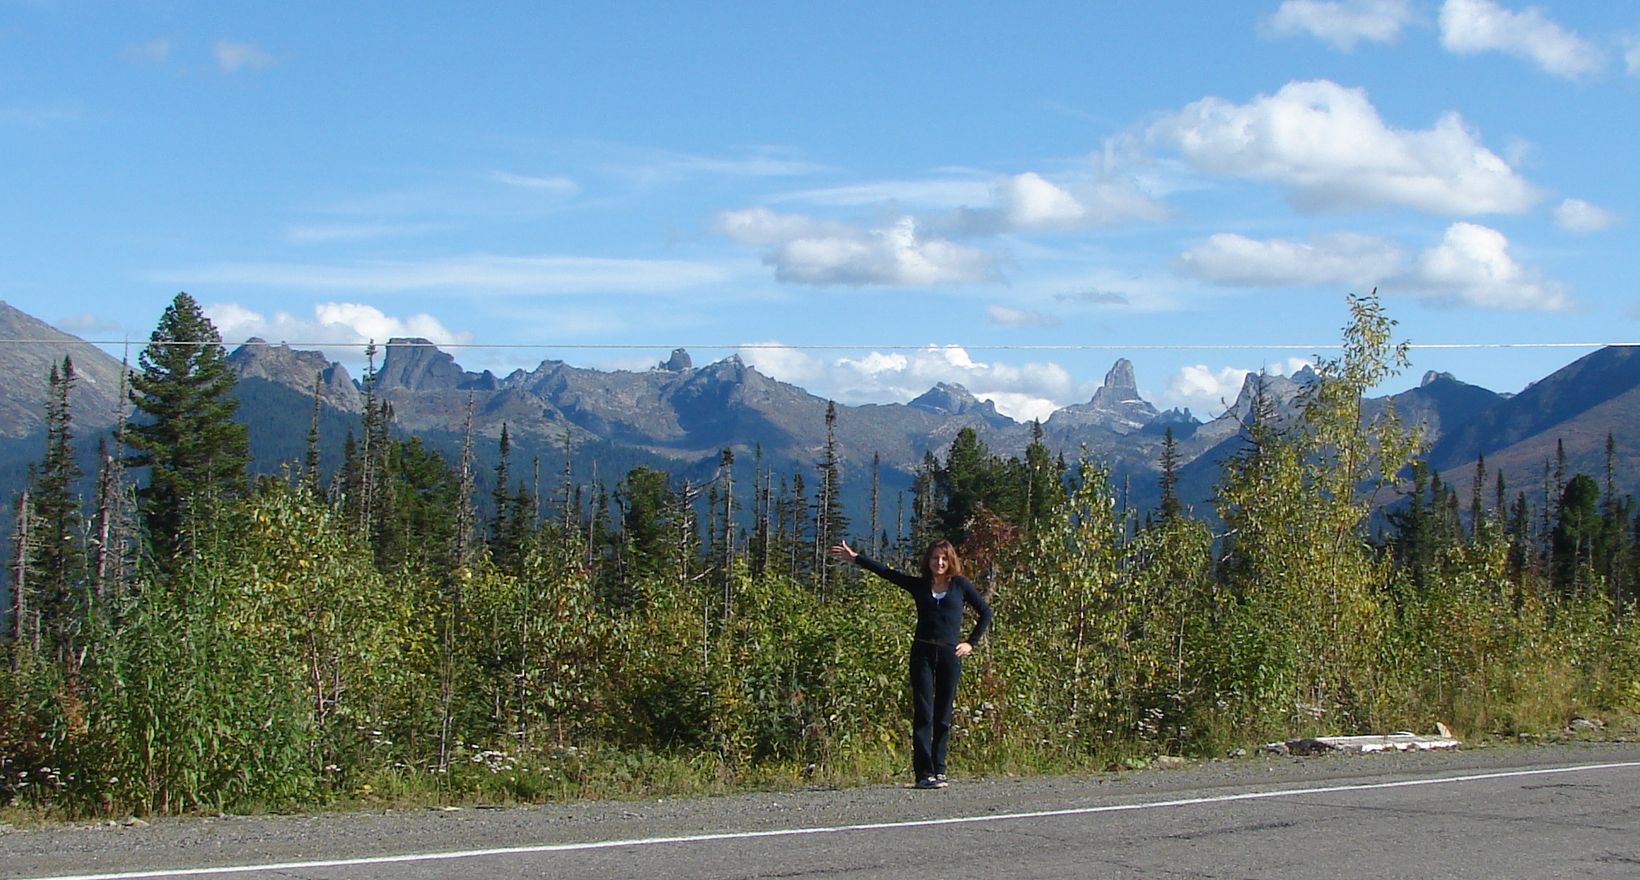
319,647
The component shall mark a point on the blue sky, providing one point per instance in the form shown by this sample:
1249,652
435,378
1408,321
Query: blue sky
860,198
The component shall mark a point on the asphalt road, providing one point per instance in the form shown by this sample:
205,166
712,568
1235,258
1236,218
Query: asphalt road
1554,811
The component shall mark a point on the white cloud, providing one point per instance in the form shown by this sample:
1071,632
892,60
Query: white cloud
806,250
1029,202
1472,266
784,363
1021,392
645,167
1209,391
346,232
233,57
1339,258
1327,145
1206,391
951,192
87,324
1631,58
1094,297
1021,407
1018,317
554,185
1342,23
1580,216
761,227
340,329
1472,26
479,274
155,51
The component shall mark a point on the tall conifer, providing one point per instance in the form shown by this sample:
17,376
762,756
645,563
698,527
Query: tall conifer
184,431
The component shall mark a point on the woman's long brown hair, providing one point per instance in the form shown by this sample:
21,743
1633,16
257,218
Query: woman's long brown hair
953,565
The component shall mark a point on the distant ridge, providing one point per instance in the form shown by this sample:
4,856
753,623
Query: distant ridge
681,416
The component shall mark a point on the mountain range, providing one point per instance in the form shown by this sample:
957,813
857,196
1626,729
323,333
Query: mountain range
680,417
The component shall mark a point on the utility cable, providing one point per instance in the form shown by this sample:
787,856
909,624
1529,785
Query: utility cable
776,346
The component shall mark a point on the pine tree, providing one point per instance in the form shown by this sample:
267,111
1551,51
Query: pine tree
57,563
1576,543
1044,479
762,499
645,502
797,530
1170,477
967,480
876,491
830,524
501,549
184,432
310,463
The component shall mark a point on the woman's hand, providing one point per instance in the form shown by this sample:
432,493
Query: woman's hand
964,649
843,551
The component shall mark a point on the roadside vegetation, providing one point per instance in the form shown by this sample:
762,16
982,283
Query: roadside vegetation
189,640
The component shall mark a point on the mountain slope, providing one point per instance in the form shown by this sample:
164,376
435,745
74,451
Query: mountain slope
1574,408
29,348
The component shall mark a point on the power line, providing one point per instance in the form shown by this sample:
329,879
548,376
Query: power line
838,346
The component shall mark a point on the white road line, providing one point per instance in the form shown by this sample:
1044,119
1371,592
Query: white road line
830,829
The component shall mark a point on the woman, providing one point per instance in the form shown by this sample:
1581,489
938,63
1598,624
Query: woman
937,649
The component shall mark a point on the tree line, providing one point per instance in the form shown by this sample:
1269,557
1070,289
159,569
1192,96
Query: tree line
185,637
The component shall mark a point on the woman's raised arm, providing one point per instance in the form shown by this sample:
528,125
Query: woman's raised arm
843,551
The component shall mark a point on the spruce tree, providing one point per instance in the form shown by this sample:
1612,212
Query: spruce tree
184,431
967,480
1576,544
58,559
647,511
1170,507
830,524
501,549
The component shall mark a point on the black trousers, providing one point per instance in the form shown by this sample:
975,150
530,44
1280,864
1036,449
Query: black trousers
934,673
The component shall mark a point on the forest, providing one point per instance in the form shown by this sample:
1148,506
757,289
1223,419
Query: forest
190,639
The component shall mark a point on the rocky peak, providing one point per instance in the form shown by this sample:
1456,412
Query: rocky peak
1115,406
1120,378
1432,377
415,364
1279,390
1121,389
679,362
729,371
946,398
283,365
259,359
950,399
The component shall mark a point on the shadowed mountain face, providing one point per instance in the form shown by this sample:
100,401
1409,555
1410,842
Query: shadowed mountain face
1593,395
1573,410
